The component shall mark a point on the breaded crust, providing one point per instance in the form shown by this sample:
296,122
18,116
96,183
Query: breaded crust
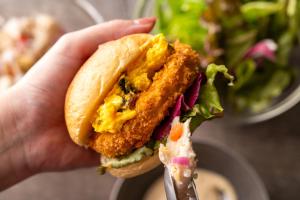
152,105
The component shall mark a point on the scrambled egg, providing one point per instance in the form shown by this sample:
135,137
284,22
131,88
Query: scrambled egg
155,56
109,119
117,107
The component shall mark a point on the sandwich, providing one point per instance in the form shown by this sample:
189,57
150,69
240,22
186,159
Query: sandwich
123,99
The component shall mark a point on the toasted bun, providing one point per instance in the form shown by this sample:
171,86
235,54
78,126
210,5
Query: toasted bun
136,169
95,79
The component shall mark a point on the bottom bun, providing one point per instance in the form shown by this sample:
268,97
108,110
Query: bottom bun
136,169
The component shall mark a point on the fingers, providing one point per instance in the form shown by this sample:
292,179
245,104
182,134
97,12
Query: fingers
81,44
78,158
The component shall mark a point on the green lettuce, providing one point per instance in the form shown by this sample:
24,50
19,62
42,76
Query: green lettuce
208,105
260,97
258,9
258,84
180,19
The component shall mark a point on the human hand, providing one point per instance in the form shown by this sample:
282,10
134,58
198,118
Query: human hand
36,106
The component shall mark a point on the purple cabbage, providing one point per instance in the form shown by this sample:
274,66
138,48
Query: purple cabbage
192,94
264,49
163,129
184,103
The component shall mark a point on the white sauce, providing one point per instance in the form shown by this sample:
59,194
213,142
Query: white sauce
207,184
180,148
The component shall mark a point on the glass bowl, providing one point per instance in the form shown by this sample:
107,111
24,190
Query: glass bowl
289,98
70,14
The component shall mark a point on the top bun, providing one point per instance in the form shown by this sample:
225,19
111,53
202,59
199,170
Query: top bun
95,79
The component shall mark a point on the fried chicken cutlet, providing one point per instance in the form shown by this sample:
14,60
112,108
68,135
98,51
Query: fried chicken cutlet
149,107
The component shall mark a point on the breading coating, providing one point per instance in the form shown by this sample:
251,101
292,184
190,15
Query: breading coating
152,105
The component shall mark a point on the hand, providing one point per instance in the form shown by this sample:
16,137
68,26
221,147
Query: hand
32,126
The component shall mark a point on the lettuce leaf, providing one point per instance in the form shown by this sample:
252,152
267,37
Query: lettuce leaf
258,9
180,20
255,88
199,102
258,92
208,105
244,73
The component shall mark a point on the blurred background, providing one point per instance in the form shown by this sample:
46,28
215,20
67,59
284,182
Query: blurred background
265,131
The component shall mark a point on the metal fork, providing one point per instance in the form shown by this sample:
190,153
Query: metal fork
172,191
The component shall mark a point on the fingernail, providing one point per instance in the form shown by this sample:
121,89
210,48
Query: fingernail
146,20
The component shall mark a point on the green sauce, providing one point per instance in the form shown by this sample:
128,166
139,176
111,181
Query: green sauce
134,157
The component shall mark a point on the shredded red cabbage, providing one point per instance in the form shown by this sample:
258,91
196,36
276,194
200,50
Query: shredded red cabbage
264,49
192,94
184,102
163,129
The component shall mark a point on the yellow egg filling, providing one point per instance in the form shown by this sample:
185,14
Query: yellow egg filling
118,106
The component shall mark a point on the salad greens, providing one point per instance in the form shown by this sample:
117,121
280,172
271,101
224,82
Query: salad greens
180,18
189,21
235,32
208,105
260,80
255,10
